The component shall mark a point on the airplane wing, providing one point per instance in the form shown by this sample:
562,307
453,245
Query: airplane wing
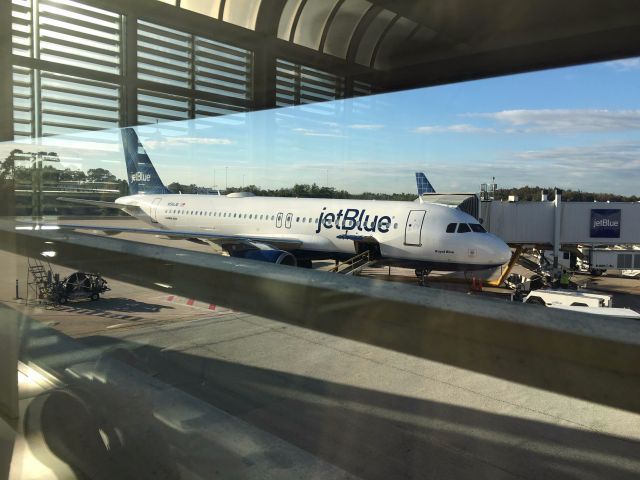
225,241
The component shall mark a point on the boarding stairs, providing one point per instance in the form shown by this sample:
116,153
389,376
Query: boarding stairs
355,264
39,277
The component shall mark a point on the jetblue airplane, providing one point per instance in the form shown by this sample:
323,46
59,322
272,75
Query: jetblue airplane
295,231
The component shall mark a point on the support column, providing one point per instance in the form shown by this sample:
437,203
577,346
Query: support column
129,100
557,203
6,70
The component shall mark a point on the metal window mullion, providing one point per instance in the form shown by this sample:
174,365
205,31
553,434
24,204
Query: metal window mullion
211,45
296,89
73,91
75,103
158,53
76,33
212,66
112,30
142,61
86,116
79,58
80,46
6,76
82,11
192,76
83,73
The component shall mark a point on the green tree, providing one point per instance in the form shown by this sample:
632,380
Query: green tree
100,175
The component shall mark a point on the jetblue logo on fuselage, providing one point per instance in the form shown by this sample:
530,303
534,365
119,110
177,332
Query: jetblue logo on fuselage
140,177
353,219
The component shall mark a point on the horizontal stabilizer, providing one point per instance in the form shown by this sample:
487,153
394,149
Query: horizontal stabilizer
132,210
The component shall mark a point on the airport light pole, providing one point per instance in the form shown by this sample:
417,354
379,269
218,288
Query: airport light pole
226,178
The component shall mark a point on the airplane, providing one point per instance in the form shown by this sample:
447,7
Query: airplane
295,231
423,184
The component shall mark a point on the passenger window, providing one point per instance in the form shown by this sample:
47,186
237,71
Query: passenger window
250,216
476,227
297,219
463,228
451,228
304,220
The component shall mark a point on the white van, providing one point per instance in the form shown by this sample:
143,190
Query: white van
585,302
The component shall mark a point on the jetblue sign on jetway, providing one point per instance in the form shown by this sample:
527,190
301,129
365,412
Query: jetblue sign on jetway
605,223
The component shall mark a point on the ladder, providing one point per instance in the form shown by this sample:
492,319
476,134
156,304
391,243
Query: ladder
354,264
39,277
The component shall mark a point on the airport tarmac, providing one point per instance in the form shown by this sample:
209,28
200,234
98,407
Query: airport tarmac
369,411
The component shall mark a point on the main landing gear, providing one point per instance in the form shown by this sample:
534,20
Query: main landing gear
422,274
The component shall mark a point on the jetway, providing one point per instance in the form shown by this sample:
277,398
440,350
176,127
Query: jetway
557,224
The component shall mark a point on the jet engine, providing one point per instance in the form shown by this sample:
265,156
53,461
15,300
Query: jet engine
272,256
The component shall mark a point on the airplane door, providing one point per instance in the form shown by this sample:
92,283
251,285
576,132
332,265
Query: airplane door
287,222
279,220
413,230
154,210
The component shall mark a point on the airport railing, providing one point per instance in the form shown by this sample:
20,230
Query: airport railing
594,358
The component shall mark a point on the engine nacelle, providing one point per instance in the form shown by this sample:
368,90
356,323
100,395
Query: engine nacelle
272,256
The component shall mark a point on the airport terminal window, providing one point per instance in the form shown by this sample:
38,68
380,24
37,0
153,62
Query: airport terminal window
463,228
451,228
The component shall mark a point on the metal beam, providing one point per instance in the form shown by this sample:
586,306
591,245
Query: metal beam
129,63
597,359
6,74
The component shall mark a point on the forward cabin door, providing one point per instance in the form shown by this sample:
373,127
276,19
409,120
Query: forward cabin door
287,222
413,230
279,220
154,209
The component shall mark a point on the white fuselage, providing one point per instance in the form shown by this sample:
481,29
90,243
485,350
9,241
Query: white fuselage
409,233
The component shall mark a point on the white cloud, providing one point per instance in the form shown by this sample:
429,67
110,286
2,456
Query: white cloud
457,128
365,126
151,143
564,120
315,133
625,64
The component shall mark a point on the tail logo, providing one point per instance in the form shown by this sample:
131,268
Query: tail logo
140,177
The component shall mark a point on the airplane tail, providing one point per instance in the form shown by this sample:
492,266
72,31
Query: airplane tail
424,186
141,174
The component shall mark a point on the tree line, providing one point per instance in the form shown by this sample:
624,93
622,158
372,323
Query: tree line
530,194
13,174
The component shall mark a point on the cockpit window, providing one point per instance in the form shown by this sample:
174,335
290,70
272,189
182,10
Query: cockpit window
463,228
451,227
476,227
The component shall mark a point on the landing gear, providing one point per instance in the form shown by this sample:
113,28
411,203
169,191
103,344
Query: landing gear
422,274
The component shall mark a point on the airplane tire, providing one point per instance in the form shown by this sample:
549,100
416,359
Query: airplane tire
95,296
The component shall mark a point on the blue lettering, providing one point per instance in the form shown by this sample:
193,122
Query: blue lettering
350,218
384,224
328,220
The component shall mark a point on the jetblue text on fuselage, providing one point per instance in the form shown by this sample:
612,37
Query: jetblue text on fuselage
352,219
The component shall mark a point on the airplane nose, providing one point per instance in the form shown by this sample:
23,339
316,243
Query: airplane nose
503,252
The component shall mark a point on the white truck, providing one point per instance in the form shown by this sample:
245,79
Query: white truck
586,302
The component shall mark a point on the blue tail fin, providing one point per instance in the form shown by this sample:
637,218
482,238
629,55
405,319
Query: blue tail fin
424,186
141,174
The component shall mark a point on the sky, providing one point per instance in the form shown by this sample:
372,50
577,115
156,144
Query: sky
575,127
